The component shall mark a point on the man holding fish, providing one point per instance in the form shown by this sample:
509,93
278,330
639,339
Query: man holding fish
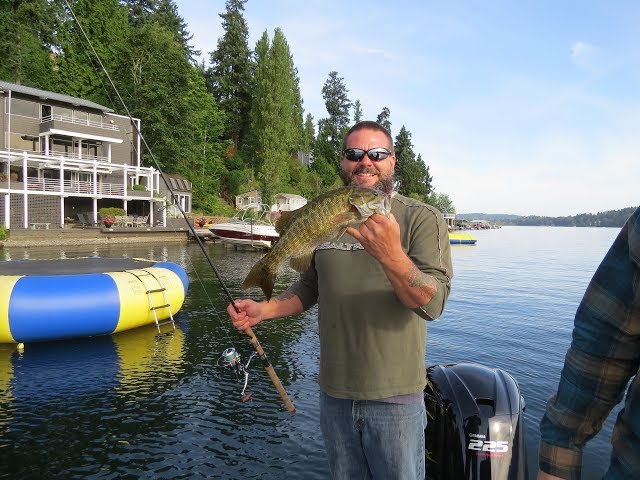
378,265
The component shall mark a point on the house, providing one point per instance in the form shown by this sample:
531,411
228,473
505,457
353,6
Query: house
182,194
61,156
251,199
286,202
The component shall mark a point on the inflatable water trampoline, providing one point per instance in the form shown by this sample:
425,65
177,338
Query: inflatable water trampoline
45,300
462,239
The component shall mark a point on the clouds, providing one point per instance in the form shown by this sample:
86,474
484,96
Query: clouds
583,54
521,108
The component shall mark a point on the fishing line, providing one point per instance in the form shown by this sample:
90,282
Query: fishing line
252,338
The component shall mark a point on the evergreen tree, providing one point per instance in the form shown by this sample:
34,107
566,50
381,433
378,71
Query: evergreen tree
410,172
357,112
27,38
383,119
276,116
428,179
331,130
140,11
79,72
166,13
229,77
308,135
202,160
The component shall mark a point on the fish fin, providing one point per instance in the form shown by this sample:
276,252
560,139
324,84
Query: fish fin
341,234
302,262
344,217
284,221
262,275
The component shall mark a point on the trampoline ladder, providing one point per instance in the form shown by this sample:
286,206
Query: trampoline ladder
150,291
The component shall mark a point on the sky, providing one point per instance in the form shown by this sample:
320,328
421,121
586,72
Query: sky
526,108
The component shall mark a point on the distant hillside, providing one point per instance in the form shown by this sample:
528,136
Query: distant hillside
495,217
611,218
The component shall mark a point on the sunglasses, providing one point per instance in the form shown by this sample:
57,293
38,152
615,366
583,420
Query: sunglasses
375,154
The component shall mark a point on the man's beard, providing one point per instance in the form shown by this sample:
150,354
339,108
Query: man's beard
384,183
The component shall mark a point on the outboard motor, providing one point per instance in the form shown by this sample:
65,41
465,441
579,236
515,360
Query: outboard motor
475,427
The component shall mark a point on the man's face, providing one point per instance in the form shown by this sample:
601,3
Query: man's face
367,172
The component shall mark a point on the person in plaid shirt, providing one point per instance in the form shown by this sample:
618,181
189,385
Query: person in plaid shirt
604,355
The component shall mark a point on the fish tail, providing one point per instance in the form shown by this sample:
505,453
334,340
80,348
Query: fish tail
263,275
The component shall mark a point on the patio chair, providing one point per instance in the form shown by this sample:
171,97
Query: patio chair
141,221
81,219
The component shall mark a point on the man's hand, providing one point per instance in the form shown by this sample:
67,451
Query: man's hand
380,237
249,313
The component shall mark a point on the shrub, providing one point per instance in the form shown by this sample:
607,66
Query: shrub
4,232
111,212
138,187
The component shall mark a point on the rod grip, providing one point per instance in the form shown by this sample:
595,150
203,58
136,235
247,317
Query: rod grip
270,371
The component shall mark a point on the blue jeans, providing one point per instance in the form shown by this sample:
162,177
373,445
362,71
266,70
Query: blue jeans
373,440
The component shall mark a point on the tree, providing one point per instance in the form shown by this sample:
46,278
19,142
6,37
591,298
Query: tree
428,179
202,158
357,112
442,202
383,119
331,130
410,173
27,40
276,116
308,134
166,13
229,77
79,72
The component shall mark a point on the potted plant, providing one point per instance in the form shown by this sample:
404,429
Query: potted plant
108,221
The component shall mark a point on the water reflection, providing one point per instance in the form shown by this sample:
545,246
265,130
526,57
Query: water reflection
143,405
132,362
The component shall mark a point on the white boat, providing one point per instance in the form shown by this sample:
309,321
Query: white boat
245,230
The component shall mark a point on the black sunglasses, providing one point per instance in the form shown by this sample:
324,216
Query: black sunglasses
357,154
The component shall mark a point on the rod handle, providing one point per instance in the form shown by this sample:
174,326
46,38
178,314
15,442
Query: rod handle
270,371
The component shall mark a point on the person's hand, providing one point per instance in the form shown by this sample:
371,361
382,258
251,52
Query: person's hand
545,476
249,313
380,237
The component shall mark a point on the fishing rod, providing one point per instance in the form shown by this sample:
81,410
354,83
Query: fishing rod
252,337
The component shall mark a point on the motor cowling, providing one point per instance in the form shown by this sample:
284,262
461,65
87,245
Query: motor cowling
475,428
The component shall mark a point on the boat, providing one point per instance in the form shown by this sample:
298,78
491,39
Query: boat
47,300
245,230
456,238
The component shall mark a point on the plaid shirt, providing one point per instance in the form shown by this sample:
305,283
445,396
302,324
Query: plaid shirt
604,355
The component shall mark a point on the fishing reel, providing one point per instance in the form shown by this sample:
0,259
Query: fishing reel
231,359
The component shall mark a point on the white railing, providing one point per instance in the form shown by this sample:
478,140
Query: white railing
81,121
35,184
74,157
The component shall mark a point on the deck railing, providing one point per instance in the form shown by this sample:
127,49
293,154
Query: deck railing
81,121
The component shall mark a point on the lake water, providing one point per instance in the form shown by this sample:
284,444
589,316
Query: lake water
147,405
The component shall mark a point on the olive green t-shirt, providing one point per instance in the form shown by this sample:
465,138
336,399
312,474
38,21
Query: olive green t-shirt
371,345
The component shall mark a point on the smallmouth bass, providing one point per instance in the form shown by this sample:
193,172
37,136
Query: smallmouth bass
323,219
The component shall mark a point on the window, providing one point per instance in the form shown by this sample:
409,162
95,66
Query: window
45,111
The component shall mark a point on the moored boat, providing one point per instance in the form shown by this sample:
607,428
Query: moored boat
244,230
44,300
457,238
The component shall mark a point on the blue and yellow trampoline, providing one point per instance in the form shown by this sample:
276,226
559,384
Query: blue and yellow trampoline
45,300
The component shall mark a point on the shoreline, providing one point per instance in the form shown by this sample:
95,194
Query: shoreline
99,236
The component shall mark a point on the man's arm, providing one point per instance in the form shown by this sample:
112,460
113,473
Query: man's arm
250,312
380,237
603,356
